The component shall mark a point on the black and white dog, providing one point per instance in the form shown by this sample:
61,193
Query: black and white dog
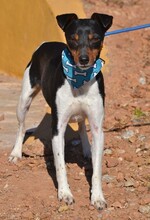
72,83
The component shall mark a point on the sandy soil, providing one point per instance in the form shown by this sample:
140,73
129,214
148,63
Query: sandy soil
28,189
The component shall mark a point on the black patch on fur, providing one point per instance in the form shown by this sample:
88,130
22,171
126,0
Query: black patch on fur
46,71
100,81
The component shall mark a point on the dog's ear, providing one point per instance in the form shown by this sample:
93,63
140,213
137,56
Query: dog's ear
103,19
65,19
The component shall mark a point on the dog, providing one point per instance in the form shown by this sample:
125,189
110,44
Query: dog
72,84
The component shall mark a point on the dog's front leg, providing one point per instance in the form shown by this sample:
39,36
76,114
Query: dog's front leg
96,121
64,192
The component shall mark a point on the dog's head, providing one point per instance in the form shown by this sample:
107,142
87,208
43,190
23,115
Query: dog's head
85,36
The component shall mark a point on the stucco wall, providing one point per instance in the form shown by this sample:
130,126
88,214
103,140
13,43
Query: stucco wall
25,24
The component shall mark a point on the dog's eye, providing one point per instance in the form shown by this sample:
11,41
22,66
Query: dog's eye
95,39
73,40
73,43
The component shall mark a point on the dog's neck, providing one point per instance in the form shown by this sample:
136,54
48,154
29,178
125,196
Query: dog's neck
78,77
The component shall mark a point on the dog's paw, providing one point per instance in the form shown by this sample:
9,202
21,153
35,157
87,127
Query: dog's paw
98,203
13,158
66,196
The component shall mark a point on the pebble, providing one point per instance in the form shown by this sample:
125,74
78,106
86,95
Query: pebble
141,137
138,150
127,134
63,208
111,162
117,205
107,152
120,159
107,178
131,189
129,182
132,139
6,186
144,209
142,80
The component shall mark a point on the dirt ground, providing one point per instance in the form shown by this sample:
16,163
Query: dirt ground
28,189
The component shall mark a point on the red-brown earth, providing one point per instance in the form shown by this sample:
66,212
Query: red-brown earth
28,189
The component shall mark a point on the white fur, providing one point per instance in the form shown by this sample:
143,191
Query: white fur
75,104
27,94
84,101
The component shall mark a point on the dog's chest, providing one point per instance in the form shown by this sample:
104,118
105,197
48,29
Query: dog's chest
77,103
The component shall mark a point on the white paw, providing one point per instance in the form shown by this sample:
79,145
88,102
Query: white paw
98,203
66,196
14,158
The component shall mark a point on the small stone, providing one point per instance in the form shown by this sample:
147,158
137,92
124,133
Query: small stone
138,150
63,208
111,162
117,205
107,178
132,139
127,134
6,186
131,188
107,152
120,159
141,137
144,209
142,80
129,182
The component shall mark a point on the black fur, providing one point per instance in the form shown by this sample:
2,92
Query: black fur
46,66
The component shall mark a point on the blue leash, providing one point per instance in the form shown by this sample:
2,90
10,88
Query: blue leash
127,29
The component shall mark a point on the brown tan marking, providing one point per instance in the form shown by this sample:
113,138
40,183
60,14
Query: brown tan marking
76,37
93,53
90,36
75,54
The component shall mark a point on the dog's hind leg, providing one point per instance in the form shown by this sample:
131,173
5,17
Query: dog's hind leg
27,94
86,147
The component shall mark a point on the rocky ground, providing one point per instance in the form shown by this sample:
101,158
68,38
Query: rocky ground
28,189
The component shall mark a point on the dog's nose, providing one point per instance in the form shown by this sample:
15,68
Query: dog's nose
84,59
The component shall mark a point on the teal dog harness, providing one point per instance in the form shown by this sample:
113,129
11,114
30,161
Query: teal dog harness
78,77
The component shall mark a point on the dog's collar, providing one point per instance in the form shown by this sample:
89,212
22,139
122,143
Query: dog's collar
76,76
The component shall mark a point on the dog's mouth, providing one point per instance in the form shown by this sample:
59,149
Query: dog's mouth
84,66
